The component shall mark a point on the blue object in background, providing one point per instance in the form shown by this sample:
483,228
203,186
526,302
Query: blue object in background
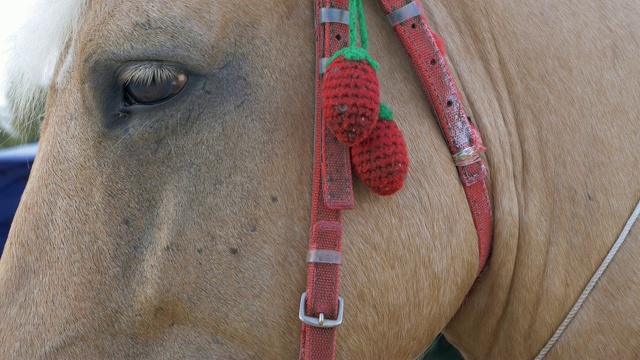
15,165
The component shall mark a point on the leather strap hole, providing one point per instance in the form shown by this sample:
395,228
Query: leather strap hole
433,62
338,37
449,103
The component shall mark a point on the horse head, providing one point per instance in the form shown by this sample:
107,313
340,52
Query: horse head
167,214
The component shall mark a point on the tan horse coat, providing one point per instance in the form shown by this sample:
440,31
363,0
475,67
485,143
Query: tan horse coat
180,230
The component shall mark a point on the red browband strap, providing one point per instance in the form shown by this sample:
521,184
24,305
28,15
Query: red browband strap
320,306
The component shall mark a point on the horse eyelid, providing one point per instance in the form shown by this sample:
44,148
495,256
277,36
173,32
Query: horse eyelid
146,73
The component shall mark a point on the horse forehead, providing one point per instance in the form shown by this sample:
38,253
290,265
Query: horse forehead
152,19
165,15
197,27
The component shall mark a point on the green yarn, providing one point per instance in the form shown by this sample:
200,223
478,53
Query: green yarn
357,31
355,7
385,113
354,54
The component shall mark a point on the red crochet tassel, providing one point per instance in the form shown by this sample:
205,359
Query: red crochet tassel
351,99
381,160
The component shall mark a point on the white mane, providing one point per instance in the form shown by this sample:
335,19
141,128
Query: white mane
38,48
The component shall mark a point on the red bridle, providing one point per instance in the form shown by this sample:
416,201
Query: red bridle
320,306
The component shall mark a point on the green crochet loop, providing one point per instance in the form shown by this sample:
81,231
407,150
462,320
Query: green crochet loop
357,26
385,113
354,54
355,8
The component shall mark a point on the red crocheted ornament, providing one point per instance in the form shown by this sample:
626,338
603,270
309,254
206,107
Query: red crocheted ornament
351,99
381,160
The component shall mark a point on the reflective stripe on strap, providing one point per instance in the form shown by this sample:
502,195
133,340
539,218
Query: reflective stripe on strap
404,13
333,15
324,256
322,65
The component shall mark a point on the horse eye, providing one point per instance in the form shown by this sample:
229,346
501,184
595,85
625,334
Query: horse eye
155,91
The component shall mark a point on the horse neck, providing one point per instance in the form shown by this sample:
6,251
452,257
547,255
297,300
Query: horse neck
540,157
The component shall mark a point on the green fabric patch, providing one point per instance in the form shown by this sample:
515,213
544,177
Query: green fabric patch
385,113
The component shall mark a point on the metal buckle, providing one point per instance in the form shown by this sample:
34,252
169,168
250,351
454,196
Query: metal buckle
320,321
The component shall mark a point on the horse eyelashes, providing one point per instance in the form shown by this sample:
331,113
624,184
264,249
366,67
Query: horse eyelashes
151,83
156,91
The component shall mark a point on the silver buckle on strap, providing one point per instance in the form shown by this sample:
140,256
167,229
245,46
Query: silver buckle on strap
333,15
320,321
404,13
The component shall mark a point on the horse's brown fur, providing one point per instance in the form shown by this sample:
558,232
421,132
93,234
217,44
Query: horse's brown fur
180,231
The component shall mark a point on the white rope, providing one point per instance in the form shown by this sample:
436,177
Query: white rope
614,249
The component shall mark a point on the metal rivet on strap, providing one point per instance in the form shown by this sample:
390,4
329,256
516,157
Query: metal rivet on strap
324,256
333,15
404,13
323,65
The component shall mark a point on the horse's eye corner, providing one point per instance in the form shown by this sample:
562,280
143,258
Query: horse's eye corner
152,86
